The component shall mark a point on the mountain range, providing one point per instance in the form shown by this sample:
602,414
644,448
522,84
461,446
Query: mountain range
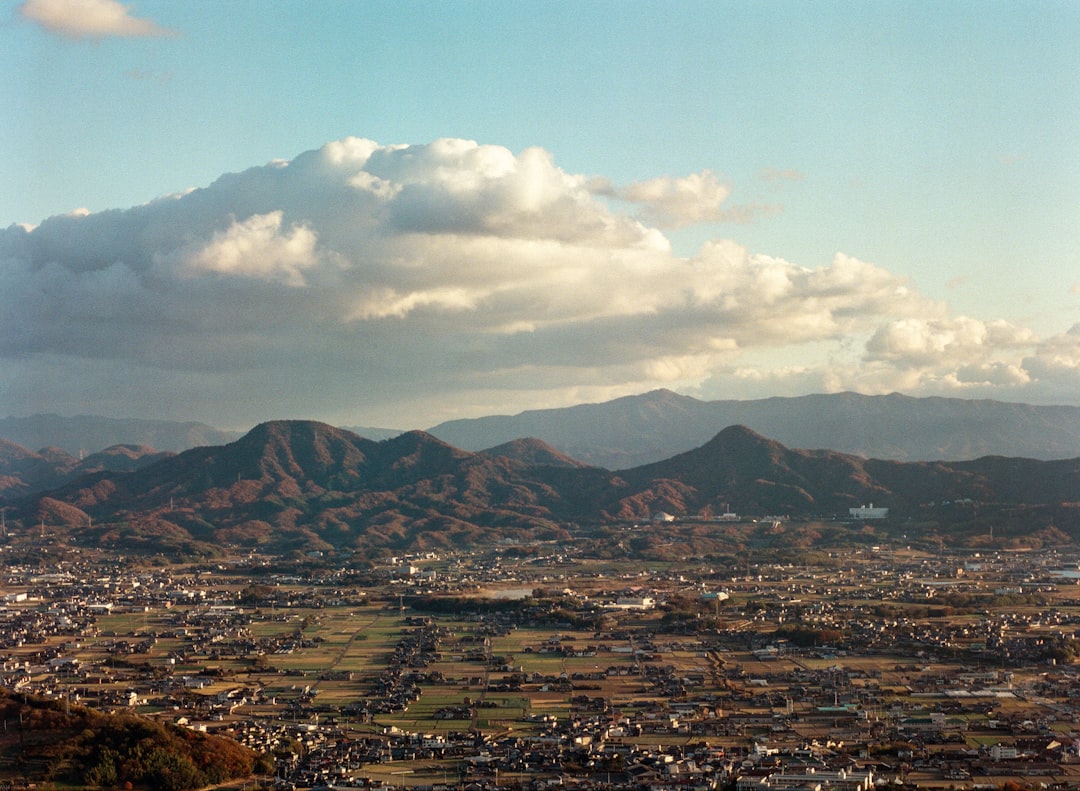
308,485
635,430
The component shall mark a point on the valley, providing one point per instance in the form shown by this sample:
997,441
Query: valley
303,607
527,669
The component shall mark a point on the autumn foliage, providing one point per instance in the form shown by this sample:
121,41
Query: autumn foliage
88,747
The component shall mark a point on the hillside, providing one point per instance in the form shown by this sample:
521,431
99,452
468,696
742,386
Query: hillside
24,472
52,740
635,430
739,469
304,485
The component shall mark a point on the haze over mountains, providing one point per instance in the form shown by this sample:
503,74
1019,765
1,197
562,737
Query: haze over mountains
640,429
89,433
635,430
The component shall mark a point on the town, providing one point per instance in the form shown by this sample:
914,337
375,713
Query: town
847,668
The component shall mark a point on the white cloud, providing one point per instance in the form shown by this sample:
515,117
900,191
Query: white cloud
257,248
912,342
669,202
948,356
1056,365
678,201
359,280
389,303
89,19
769,301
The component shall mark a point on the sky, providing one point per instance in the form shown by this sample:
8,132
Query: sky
398,213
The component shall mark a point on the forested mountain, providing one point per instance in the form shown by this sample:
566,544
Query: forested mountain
307,485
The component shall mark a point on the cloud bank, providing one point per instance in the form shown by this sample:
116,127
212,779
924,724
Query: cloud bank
89,19
402,285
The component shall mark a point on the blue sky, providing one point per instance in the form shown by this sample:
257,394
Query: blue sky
932,143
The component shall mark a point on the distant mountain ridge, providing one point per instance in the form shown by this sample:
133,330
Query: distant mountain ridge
635,430
305,485
90,433
372,432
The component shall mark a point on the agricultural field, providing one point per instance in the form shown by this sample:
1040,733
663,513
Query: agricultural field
908,661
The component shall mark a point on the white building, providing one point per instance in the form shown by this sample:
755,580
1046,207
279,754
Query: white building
635,603
1003,752
868,512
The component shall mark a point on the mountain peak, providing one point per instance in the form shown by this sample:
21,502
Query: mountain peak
419,451
533,451
741,439
271,428
733,445
412,440
663,394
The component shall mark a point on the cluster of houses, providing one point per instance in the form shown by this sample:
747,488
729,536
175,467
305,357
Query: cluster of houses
840,676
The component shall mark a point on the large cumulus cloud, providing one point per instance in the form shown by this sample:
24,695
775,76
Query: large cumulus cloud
405,284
